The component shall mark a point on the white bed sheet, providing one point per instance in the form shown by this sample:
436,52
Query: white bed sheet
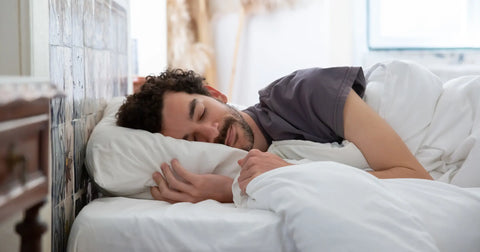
124,224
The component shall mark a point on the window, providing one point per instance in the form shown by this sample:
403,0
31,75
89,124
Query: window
423,24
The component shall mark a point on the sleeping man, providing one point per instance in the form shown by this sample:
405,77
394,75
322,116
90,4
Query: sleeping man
320,105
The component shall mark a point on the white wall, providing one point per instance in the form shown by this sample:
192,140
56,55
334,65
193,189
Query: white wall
39,56
314,33
24,38
149,29
10,34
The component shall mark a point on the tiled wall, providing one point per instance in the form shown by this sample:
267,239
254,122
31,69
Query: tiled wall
89,62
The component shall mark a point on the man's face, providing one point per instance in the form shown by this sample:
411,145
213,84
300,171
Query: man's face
196,117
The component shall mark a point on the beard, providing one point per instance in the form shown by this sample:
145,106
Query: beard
235,118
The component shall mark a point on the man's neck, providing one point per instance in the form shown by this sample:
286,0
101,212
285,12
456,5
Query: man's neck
259,140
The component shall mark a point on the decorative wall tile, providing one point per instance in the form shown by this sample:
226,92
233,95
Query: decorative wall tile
114,71
91,97
105,90
57,111
68,83
62,220
122,68
56,66
68,139
78,74
80,144
90,64
77,22
60,22
58,165
112,29
122,30
101,17
58,232
88,23
66,6
55,22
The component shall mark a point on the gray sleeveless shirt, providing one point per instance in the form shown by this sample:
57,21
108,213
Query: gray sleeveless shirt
307,104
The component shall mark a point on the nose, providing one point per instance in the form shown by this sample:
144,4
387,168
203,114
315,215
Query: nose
207,132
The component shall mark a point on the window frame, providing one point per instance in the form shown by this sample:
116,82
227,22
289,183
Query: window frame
379,47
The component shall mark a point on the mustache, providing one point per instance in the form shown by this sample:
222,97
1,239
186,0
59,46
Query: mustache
222,136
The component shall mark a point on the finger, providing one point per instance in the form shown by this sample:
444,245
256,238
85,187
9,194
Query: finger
251,162
254,152
157,195
242,161
243,185
182,172
247,169
173,182
168,194
247,176
157,177
244,174
251,154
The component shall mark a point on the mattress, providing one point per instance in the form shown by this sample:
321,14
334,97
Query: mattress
124,224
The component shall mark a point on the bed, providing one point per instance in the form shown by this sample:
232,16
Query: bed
324,202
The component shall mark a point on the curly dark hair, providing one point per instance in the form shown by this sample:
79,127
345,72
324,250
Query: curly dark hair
143,110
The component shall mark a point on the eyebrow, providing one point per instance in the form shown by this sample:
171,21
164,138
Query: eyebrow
193,104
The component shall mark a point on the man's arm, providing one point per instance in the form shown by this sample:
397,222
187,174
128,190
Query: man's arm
384,150
180,185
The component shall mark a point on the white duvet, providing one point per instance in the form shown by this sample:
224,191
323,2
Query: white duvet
332,206
328,206
440,122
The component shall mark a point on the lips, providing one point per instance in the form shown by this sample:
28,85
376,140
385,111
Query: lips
231,137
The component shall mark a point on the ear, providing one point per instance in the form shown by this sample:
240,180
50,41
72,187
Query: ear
217,94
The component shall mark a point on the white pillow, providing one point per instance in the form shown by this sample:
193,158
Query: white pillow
122,160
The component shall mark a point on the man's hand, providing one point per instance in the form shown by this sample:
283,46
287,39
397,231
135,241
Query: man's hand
180,185
255,163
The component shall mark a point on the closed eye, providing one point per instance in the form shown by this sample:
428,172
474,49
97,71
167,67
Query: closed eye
202,116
